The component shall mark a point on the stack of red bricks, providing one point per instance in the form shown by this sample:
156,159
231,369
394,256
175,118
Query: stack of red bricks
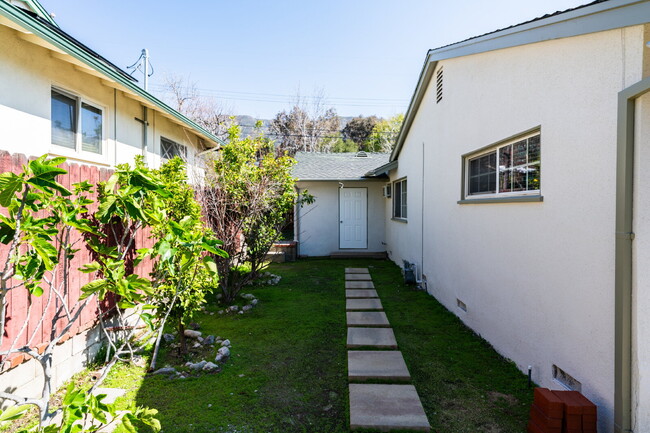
561,412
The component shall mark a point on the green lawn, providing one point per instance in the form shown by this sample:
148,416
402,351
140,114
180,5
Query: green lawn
288,367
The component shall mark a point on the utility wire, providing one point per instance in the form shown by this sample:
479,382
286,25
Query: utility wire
280,98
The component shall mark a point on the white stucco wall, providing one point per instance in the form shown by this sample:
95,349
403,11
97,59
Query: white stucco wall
28,72
318,223
537,278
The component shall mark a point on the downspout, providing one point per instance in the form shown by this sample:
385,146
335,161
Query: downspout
115,145
296,224
422,283
145,135
624,255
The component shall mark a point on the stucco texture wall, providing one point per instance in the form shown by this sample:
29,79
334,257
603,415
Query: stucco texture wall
537,278
29,72
318,223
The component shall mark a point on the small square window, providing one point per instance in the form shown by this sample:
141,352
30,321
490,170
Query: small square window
169,149
76,124
399,199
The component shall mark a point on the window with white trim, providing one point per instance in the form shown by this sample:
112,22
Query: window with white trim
76,123
170,149
509,168
399,199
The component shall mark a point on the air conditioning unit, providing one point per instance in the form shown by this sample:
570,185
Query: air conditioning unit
387,190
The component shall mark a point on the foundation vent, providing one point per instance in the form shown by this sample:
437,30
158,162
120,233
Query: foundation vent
461,304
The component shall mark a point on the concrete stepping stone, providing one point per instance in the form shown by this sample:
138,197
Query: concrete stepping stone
358,277
379,338
377,365
356,304
361,294
112,394
359,285
357,271
367,318
386,407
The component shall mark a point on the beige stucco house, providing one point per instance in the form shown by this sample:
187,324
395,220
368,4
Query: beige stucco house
528,212
347,215
57,96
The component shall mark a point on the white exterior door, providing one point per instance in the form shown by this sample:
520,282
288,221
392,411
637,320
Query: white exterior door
353,216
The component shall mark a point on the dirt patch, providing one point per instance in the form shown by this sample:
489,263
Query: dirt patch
496,397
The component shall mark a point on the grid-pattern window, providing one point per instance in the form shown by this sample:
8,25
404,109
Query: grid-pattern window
514,167
76,124
170,149
399,199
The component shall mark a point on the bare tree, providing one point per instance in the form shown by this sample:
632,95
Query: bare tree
183,95
308,127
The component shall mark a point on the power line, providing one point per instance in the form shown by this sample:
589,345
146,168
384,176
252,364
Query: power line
280,98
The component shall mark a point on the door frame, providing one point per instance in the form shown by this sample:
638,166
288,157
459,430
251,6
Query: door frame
339,215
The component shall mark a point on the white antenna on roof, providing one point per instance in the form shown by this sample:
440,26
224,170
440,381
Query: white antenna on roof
143,64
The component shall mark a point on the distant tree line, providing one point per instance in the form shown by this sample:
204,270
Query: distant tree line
306,127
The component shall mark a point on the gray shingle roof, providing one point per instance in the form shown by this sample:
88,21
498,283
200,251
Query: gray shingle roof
336,166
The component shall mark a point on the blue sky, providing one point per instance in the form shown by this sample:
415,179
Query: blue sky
364,56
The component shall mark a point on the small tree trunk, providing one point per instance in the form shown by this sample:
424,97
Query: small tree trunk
181,338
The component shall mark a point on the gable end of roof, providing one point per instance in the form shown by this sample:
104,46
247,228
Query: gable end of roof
600,15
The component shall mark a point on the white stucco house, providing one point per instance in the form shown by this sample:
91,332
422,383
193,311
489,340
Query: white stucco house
62,98
59,97
347,216
528,212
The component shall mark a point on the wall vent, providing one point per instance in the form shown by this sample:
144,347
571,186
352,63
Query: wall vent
461,304
565,379
439,86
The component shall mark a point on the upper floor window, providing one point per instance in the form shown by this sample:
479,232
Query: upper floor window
170,149
399,199
76,124
512,167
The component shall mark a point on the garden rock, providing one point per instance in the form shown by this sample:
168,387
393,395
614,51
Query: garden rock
219,357
165,370
246,308
209,366
196,366
169,338
189,333
247,296
232,308
225,343
196,345
241,312
208,340
254,302
224,351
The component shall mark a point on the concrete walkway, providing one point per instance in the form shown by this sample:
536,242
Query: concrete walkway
391,405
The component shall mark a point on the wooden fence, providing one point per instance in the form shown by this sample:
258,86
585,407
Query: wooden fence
43,313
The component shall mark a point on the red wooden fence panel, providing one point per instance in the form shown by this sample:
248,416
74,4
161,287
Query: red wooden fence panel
18,299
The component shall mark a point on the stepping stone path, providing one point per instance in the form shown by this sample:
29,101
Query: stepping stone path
391,405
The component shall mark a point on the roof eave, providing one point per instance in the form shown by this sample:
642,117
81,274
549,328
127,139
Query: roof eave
22,19
382,170
598,17
354,179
